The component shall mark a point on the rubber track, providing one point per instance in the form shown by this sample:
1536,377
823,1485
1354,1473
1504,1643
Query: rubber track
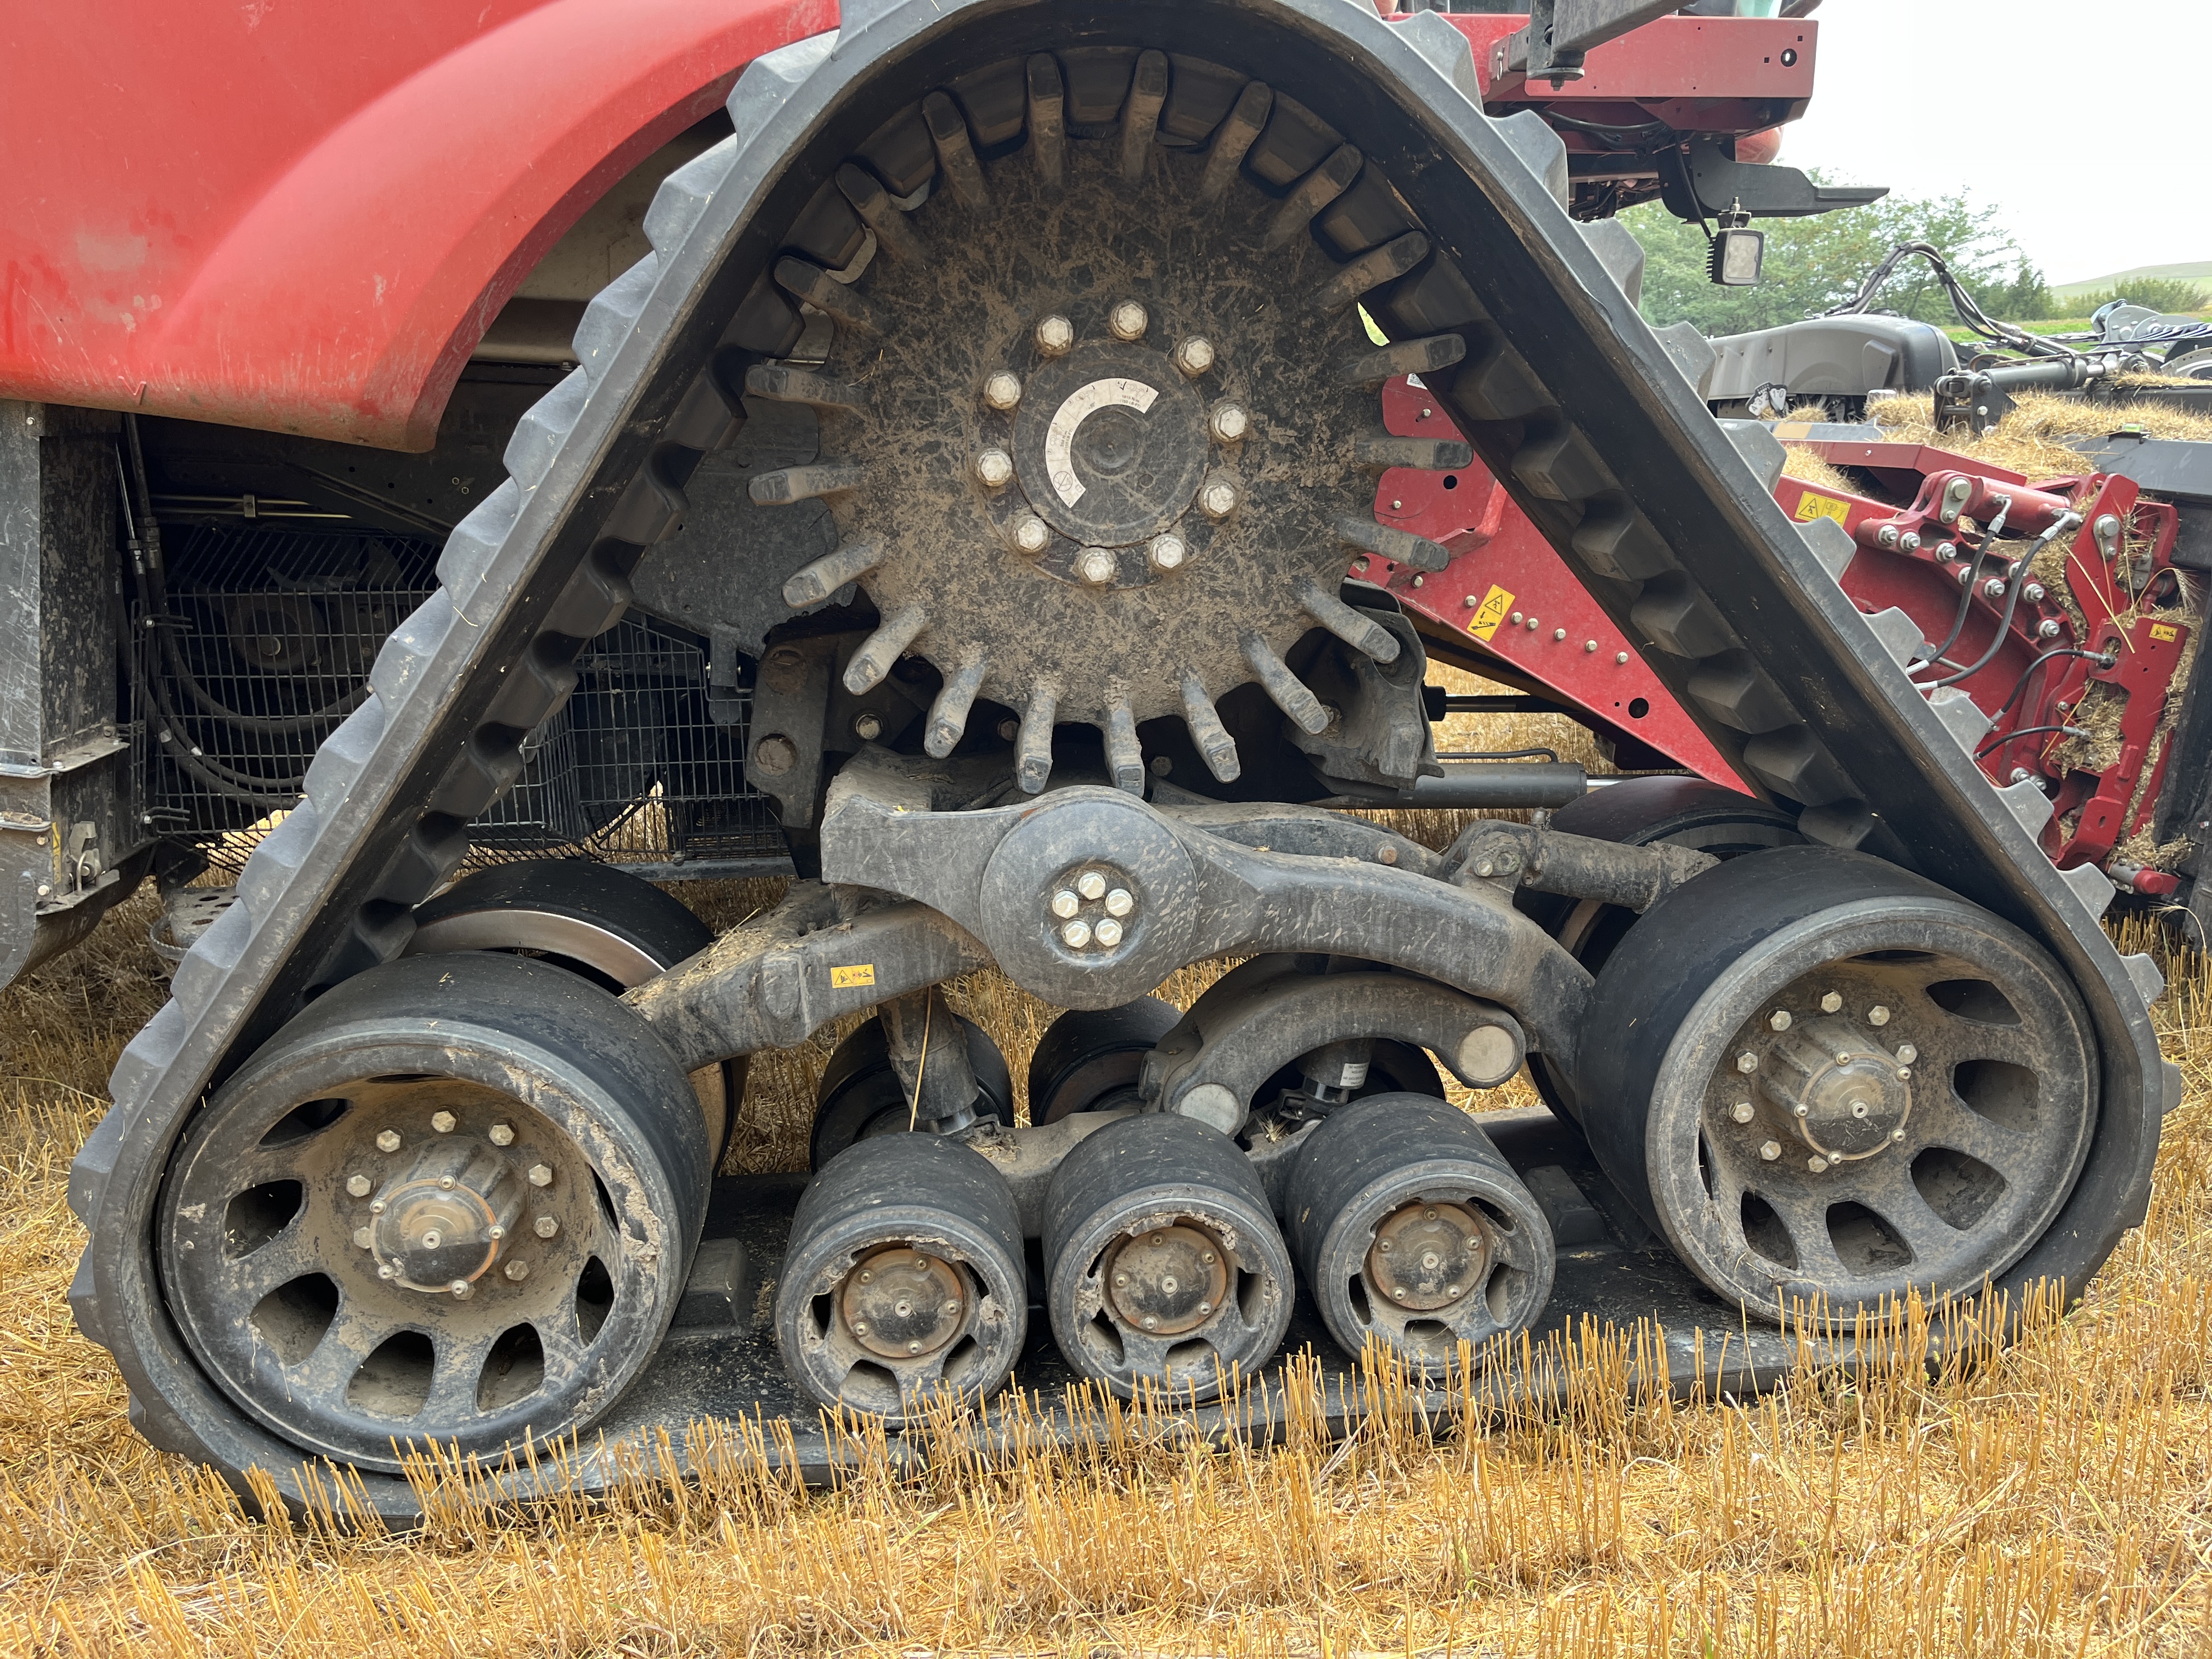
1613,455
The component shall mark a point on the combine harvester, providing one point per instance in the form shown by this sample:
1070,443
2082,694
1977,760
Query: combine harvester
989,499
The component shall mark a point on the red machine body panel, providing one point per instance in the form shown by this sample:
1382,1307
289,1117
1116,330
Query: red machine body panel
302,218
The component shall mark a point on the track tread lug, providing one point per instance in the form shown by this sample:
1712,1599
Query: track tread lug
543,427
684,193
612,315
475,541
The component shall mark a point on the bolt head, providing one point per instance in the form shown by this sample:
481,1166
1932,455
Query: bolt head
502,1134
462,1290
1484,868
2047,629
384,1270
495,1233
1769,1150
1994,588
1218,500
358,1185
517,1271
545,1226
1003,389
361,1238
1897,1134
1055,336
1032,535
867,727
1619,658
540,1175
859,1329
1229,423
1877,1015
1906,1054
1588,645
444,1183
2034,591
1120,902
1075,935
1065,903
1817,1164
444,1123
387,1140
1127,320
1009,729
2019,775
1741,1111
1779,1020
1801,1109
994,468
1832,1002
1559,634
1151,1321
1107,932
432,1238
1194,356
1091,884
1860,1108
1747,1062
1167,552
1095,566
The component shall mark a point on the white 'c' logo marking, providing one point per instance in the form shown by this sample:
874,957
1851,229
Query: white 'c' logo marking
1060,437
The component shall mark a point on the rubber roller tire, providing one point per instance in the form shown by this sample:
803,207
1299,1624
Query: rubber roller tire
897,1190
860,1097
1370,1160
1090,1058
1130,1184
290,1210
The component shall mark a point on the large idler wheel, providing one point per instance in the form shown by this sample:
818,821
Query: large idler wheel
860,1097
1826,1080
454,1201
615,929
1412,1231
1163,1267
1090,1060
904,1280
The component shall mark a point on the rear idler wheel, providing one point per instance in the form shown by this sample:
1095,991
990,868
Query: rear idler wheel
1090,1059
615,929
860,1097
454,1201
1828,1081
1164,1267
904,1280
1413,1231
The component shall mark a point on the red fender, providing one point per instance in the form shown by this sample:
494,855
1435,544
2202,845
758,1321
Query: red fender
301,214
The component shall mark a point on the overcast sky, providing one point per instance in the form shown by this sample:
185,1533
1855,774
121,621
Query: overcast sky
2086,123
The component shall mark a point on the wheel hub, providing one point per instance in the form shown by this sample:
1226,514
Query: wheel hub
1167,1280
901,1302
442,1226
1427,1256
1845,1095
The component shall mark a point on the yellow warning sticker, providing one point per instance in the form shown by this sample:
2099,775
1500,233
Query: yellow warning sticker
2164,631
845,978
1490,612
1811,507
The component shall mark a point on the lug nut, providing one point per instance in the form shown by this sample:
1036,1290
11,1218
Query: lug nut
1906,1054
1229,423
462,1290
1166,552
360,1236
1107,932
1747,1062
358,1185
540,1175
387,1140
1779,1020
1817,1164
1003,390
1032,535
1194,356
1218,499
545,1226
1065,903
2047,628
1832,1002
1095,566
1151,1321
444,1123
1910,541
1127,320
1055,336
1769,1150
502,1134
994,468
2034,591
1741,1111
1877,1015
1993,588
1075,935
518,1270
1091,884
1120,902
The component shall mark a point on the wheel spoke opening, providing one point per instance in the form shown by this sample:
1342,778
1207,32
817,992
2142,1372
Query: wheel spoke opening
1974,1000
2008,1095
595,1300
1864,1242
292,1320
309,1118
394,1382
513,1371
256,1216
1958,1188
1766,1233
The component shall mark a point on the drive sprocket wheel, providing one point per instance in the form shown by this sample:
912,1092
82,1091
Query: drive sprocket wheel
1099,424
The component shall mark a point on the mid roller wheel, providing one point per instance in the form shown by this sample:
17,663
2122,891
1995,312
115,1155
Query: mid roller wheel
1825,1079
904,1280
1164,1267
613,928
455,1200
1090,1059
860,1097
1412,1230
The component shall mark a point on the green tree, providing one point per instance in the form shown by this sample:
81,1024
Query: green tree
1813,264
2157,293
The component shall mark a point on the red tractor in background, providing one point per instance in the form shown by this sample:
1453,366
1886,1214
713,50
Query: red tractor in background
1008,466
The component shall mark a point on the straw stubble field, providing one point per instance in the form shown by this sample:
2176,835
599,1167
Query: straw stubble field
2055,1502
